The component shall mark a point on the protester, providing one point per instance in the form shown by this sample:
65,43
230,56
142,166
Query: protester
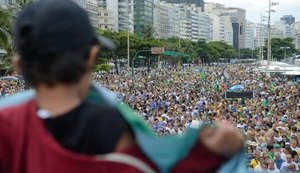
271,167
286,166
278,160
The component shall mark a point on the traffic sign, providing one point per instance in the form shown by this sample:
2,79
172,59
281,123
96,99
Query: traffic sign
175,54
157,50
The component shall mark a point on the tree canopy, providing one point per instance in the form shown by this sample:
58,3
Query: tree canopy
280,44
208,52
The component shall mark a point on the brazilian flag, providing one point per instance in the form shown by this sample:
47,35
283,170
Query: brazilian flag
203,75
265,103
272,87
216,87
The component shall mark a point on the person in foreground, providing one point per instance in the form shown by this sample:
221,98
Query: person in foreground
66,125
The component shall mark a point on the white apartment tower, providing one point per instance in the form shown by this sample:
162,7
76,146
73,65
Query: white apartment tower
165,20
250,35
116,15
183,21
222,24
91,6
238,20
261,34
205,27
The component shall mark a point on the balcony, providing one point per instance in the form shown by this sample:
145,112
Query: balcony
123,4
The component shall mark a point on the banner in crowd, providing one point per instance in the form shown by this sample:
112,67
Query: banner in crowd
249,94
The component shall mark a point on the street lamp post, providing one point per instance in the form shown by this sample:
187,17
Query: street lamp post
261,41
269,30
284,56
130,4
128,49
132,64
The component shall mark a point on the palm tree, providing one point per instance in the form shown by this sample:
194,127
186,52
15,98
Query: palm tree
19,5
148,31
7,15
5,28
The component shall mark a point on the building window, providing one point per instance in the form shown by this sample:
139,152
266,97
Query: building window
105,14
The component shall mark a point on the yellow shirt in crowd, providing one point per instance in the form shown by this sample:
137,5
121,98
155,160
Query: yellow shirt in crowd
253,163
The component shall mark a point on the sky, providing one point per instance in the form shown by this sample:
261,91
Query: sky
255,7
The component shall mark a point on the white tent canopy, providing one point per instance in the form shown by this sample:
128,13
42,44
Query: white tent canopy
277,67
292,73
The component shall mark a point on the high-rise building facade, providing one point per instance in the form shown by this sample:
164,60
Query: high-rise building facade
125,15
195,24
222,25
91,6
108,15
107,20
284,28
7,2
288,19
118,15
214,8
198,3
143,16
216,27
261,34
297,41
238,19
3,2
165,20
193,16
185,25
205,27
228,31
296,34
250,35
185,21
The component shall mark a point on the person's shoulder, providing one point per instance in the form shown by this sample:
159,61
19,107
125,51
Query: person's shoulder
12,120
16,99
11,112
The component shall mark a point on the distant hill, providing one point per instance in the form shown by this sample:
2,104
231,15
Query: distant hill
199,3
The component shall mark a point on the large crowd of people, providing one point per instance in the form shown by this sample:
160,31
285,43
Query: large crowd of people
11,85
172,99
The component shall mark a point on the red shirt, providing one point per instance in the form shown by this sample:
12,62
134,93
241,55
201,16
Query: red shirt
27,147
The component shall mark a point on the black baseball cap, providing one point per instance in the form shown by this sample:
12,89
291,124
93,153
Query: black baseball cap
53,27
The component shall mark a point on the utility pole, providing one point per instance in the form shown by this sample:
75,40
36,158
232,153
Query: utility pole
130,3
261,37
128,49
269,34
269,56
